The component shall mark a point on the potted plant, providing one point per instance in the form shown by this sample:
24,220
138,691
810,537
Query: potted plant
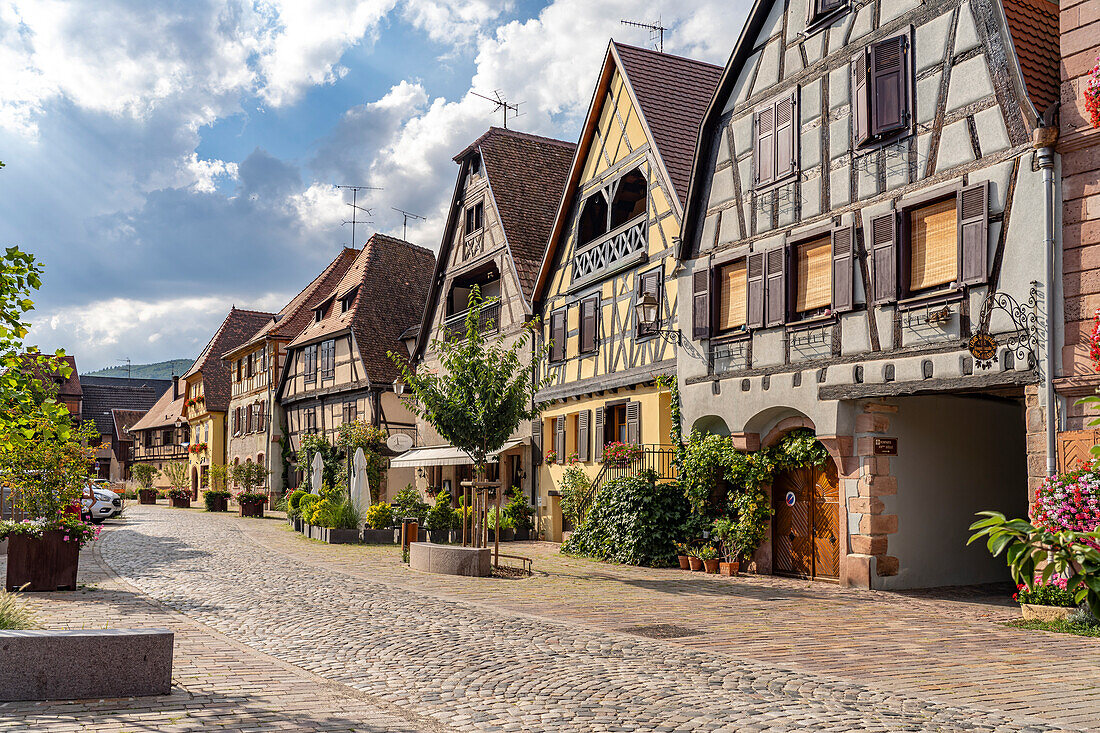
440,518
682,555
498,520
1050,601
695,562
216,500
179,496
709,555
379,521
521,513
551,457
724,530
144,473
47,477
250,478
407,503
621,454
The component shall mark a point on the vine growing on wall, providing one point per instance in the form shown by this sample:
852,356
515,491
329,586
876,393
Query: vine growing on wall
676,433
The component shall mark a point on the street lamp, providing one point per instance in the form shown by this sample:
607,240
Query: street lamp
646,308
398,387
179,423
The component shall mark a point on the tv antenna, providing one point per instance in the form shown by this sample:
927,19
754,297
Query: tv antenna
356,208
128,372
501,104
408,215
656,31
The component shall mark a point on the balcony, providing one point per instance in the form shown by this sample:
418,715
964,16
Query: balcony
455,326
617,250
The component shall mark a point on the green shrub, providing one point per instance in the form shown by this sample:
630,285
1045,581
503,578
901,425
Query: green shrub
14,614
293,503
519,511
633,520
305,506
209,497
441,515
380,516
573,488
336,514
1049,594
407,503
494,518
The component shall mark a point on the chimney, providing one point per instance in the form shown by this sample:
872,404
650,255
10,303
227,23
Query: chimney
175,388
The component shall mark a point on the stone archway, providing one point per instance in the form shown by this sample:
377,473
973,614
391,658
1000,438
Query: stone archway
710,424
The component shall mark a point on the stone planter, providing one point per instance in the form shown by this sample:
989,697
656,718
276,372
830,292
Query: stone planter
252,508
1033,612
342,536
450,560
297,524
177,503
711,566
47,563
147,496
218,504
439,536
729,568
380,536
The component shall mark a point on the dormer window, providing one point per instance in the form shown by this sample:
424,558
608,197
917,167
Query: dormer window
347,299
474,215
823,10
475,164
318,315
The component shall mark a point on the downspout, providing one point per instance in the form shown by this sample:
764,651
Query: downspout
1045,137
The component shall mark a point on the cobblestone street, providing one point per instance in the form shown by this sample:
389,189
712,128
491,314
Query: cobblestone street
277,632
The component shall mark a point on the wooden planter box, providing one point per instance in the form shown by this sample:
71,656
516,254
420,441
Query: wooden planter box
184,503
219,504
48,562
147,496
379,536
252,508
522,535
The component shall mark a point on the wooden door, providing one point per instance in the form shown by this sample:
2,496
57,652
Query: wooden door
804,529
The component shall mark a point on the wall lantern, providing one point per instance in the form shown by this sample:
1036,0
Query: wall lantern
398,387
646,308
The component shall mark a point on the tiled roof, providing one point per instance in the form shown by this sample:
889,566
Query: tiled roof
237,328
156,384
100,399
1034,28
674,93
67,388
164,412
298,313
124,420
392,278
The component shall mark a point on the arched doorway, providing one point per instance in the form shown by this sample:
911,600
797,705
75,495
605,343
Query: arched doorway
805,528
194,482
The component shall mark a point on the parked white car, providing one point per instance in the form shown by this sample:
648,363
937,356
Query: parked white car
101,504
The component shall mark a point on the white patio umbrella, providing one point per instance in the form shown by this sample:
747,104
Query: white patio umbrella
360,484
318,472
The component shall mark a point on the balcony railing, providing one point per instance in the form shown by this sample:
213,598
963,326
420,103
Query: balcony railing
456,324
661,459
620,248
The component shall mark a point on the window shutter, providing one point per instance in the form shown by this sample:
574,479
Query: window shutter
755,290
247,419
764,126
599,433
583,418
589,308
634,422
884,258
536,441
861,99
775,285
785,158
650,282
557,336
260,414
888,80
559,437
843,240
973,203
700,304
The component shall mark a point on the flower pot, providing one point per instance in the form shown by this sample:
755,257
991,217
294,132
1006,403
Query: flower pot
380,536
252,508
711,566
342,536
47,563
147,496
695,563
180,503
219,504
729,568
522,535
1035,612
683,559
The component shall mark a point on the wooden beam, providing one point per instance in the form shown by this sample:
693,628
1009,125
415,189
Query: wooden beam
928,386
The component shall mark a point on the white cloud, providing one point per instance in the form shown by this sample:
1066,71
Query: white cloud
454,22
203,175
321,206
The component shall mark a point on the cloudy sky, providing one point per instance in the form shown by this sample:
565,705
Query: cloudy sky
166,160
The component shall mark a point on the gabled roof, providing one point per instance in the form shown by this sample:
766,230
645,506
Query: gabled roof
100,399
164,412
392,276
297,314
1033,25
526,174
670,94
48,371
124,420
237,328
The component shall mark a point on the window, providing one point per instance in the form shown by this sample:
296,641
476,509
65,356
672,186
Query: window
732,295
933,246
821,10
240,370
813,277
309,363
347,300
615,424
262,356
250,365
650,282
775,150
236,421
558,335
630,198
593,219
351,411
881,90
328,359
475,164
248,413
311,420
474,218
590,309
318,314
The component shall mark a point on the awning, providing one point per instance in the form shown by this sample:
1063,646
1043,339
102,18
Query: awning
444,455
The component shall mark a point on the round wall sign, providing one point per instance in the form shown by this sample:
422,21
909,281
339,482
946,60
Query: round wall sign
790,498
399,442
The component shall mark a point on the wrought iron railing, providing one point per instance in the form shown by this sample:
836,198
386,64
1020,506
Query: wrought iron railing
661,459
456,325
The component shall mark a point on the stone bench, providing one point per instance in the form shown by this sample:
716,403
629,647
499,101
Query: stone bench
450,559
88,663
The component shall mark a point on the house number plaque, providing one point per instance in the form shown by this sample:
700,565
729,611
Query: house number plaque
886,446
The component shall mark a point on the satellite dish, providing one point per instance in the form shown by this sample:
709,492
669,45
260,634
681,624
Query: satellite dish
399,442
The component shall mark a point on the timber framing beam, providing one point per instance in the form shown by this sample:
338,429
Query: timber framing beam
929,386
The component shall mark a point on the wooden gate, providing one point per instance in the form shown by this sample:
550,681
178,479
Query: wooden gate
806,522
1074,448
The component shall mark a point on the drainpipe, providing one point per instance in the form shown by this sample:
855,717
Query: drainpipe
1044,143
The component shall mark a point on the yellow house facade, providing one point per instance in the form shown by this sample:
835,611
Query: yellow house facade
614,244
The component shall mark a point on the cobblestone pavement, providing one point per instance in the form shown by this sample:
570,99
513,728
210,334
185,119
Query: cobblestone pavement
545,654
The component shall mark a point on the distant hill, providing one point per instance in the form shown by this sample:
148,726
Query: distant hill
160,370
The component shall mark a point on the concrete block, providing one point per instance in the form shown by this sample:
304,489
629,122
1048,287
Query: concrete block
857,571
890,9
450,560
91,663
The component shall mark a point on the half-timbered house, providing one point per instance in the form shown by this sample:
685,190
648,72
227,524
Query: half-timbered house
162,434
509,184
866,212
613,244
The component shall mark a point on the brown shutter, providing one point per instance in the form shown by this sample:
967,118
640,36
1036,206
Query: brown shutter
785,158
599,433
583,418
755,290
842,268
888,81
260,415
884,258
973,203
764,151
536,442
589,308
700,304
557,336
861,99
247,418
775,286
634,422
559,437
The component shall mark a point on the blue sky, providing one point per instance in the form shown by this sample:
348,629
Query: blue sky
166,160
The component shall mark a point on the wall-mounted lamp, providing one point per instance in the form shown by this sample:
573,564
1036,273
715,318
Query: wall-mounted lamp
398,387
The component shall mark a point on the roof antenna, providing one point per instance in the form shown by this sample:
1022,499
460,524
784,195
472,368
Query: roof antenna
501,104
355,208
405,224
656,31
127,360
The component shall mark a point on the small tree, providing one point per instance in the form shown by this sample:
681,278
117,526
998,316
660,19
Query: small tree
176,473
218,477
249,478
49,475
144,474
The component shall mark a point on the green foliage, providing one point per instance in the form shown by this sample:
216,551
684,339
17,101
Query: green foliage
1072,555
144,474
305,506
217,477
14,613
484,390
293,501
49,474
177,474
704,552
633,520
498,518
1078,625
331,459
249,477
573,488
1045,595
380,516
336,513
407,503
358,434
519,511
210,497
441,515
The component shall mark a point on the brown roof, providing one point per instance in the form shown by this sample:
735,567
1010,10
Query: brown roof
297,314
124,420
47,371
1034,28
674,93
237,328
163,413
101,398
390,278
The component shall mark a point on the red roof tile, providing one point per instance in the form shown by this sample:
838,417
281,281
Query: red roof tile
1034,28
163,413
237,328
